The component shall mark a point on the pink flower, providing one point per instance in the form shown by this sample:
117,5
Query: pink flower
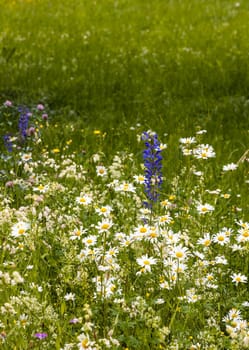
7,103
40,107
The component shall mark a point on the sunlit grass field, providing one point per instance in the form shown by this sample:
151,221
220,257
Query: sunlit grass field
124,216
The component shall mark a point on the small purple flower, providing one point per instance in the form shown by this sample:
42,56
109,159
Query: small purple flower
8,103
74,320
45,116
41,335
40,107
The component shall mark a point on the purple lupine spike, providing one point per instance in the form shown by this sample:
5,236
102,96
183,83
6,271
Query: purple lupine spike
23,121
153,167
8,143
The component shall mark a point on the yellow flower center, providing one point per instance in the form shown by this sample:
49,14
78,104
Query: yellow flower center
103,210
143,230
179,254
105,226
221,238
153,234
84,343
207,242
21,231
146,262
82,200
245,234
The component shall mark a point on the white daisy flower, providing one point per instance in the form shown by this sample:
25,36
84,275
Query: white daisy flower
204,208
101,170
238,278
179,252
84,199
204,152
230,167
104,225
20,229
146,262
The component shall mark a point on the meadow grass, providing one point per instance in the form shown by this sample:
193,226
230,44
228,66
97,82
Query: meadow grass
84,262
86,265
125,58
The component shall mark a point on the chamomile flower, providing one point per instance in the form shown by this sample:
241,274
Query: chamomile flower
85,254
112,252
238,278
230,167
163,146
243,224
104,225
84,199
85,342
178,267
125,187
141,231
166,204
187,151
23,320
26,157
139,179
41,188
76,234
146,262
89,240
104,210
191,296
243,235
165,219
153,234
179,252
205,241
204,208
172,237
204,152
187,140
101,170
221,238
69,297
20,229
234,314
220,260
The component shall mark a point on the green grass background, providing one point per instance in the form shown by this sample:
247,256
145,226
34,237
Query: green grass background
172,64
